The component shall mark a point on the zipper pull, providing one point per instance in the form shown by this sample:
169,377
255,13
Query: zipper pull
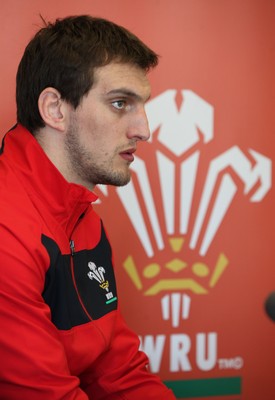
72,247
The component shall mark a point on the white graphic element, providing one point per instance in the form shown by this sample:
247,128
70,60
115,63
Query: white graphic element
207,354
153,348
187,184
96,273
130,201
175,307
167,183
204,346
250,175
179,130
104,190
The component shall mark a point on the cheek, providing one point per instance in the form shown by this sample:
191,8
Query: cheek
89,130
101,132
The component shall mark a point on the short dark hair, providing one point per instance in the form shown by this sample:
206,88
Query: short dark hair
64,54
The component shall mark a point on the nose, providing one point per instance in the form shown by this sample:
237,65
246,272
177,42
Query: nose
139,126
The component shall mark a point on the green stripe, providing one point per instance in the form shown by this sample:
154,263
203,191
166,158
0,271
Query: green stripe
110,301
205,387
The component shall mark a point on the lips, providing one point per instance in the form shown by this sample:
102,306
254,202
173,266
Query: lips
128,155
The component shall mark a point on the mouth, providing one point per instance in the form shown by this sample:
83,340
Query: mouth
128,155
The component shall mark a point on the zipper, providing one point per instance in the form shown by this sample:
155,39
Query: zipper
72,247
71,241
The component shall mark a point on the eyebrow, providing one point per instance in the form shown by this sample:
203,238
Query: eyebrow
126,92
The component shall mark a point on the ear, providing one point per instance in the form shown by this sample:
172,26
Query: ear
53,109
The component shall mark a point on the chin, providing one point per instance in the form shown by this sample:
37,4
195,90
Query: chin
121,182
115,179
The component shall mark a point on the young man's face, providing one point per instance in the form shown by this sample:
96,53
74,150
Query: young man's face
108,124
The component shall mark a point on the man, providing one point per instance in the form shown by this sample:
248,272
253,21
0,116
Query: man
81,90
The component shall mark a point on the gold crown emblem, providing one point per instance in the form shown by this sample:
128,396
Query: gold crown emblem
180,271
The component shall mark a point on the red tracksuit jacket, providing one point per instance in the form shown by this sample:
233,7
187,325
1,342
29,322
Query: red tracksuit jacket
62,335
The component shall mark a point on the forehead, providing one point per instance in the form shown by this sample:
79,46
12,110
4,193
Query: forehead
115,76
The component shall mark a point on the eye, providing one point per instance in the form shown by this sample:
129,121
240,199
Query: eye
119,104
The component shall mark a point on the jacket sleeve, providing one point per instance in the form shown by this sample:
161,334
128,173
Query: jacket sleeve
33,361
122,371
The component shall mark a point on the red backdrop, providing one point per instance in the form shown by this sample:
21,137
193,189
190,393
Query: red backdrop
193,232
